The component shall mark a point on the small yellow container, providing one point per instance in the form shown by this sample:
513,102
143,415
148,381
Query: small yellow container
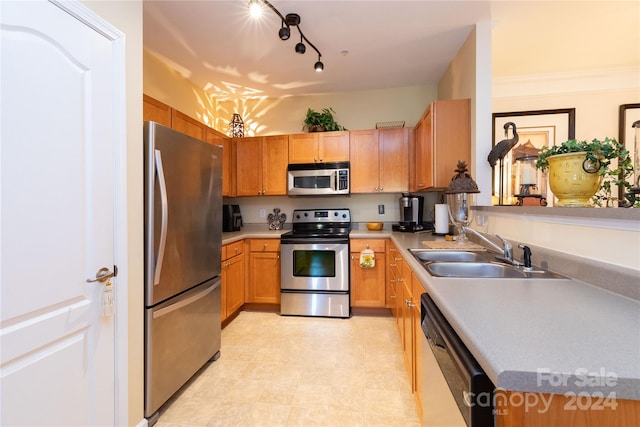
374,226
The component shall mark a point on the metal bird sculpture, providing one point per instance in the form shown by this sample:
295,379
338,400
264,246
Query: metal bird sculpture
502,148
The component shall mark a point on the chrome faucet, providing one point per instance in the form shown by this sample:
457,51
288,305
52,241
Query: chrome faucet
506,250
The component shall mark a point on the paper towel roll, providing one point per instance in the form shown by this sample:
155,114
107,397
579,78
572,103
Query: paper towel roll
442,219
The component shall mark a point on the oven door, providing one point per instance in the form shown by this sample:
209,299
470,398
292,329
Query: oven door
315,266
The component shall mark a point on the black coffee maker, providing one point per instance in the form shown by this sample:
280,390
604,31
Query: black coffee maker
411,211
231,218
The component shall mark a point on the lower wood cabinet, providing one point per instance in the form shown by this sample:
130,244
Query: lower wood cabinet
418,336
232,295
403,297
368,284
521,409
264,271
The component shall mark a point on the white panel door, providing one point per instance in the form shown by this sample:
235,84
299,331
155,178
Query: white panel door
57,216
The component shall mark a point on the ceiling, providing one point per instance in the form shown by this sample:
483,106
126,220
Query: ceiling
369,45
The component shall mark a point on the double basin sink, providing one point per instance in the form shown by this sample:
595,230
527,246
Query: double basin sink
481,264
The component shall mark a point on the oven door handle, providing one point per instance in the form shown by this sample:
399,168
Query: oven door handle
308,241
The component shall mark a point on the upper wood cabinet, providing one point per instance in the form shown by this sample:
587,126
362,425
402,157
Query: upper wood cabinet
319,147
442,137
214,137
155,111
261,165
380,160
187,125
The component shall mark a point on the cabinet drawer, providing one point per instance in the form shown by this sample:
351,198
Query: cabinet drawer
264,245
232,249
358,245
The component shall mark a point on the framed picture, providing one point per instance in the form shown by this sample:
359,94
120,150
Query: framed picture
535,129
630,136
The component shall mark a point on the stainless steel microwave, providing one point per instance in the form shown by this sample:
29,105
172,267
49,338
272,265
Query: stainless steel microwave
318,179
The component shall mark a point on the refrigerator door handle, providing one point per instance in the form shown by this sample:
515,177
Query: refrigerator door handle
165,216
173,307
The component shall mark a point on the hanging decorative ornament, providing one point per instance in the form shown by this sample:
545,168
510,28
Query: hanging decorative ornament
236,126
460,196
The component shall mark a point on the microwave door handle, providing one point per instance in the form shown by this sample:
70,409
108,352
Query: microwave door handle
334,176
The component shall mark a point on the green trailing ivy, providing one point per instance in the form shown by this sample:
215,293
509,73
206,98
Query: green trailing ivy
602,154
323,118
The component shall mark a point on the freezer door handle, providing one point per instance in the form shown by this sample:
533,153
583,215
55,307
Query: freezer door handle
164,216
193,298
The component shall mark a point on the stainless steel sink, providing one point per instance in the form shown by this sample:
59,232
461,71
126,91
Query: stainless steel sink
430,255
474,270
487,270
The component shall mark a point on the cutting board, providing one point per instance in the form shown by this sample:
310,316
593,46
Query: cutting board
468,246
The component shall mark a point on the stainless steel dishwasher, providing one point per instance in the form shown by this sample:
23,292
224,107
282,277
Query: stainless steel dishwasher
456,391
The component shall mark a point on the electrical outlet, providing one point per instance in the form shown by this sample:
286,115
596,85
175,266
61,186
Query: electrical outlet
380,209
263,213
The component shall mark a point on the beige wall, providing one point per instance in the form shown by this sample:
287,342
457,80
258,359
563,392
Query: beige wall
166,84
265,116
469,76
596,96
127,17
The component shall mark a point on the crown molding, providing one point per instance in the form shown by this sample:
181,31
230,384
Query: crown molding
603,80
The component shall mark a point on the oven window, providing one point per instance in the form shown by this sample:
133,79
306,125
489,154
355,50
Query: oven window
312,181
314,263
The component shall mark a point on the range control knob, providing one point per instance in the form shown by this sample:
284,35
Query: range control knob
344,215
306,214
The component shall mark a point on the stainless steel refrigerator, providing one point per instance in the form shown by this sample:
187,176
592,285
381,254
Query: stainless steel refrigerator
183,237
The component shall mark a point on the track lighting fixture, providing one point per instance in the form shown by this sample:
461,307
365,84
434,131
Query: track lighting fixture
300,47
284,32
288,21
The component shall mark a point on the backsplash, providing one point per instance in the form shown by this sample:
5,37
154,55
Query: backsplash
364,207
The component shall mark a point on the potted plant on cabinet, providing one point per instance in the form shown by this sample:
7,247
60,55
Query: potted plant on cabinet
321,121
583,174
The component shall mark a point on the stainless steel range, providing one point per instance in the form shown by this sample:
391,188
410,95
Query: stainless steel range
315,264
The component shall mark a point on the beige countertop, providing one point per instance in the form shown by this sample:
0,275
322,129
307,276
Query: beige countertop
537,335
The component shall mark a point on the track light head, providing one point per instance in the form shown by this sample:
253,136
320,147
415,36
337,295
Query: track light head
255,8
284,32
289,20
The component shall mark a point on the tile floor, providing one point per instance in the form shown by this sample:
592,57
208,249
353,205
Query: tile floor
300,371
